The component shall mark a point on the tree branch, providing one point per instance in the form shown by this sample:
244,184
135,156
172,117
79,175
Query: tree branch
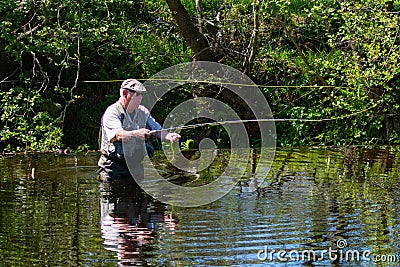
253,43
297,46
193,37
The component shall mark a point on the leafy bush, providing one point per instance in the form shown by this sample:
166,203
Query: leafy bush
335,62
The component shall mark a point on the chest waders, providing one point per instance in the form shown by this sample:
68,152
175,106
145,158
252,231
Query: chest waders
112,160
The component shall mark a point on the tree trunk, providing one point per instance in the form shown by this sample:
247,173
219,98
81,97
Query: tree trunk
201,52
199,16
389,6
193,37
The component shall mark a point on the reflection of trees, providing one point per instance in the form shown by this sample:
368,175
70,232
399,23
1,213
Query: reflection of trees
129,220
379,159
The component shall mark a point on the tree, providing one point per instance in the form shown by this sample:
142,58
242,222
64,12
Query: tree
201,50
192,35
369,58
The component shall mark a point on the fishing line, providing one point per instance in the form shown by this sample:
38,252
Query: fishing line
239,84
215,123
185,81
219,83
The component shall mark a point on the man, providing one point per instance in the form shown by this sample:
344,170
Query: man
125,126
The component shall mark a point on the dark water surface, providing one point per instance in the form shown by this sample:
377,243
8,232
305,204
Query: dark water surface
317,207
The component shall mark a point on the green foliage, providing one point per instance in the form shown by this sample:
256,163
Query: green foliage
48,45
25,125
186,145
83,148
342,65
337,62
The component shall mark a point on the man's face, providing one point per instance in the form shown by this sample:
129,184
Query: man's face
134,99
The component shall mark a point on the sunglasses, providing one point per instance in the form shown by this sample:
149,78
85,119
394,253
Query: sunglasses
135,92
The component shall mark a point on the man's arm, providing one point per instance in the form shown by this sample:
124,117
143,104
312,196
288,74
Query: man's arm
123,135
153,125
113,127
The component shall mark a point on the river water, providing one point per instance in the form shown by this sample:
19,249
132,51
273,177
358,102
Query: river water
316,207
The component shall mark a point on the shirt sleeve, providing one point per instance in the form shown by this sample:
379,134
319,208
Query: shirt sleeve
111,123
152,124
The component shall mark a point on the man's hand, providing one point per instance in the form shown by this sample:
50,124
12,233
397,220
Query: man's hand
172,137
141,134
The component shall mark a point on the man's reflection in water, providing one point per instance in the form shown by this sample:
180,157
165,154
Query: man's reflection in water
130,219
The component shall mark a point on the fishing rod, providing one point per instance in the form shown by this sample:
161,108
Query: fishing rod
215,123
